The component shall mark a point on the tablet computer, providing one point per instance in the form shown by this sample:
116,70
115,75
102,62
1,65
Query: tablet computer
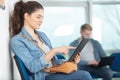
79,48
105,61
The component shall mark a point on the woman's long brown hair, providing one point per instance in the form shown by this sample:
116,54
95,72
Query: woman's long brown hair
17,17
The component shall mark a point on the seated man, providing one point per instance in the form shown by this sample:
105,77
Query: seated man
91,55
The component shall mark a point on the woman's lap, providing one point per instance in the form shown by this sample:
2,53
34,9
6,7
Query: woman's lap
76,75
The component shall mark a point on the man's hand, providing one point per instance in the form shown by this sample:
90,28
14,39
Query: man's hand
94,62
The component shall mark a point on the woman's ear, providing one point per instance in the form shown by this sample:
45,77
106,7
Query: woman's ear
26,16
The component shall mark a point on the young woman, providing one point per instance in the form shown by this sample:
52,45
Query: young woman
26,18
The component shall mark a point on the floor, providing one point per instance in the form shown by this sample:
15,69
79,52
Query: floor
112,79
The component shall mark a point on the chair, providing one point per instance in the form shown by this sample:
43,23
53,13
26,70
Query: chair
21,67
59,56
115,66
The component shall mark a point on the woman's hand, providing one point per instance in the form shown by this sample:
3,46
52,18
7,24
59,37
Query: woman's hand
77,59
63,49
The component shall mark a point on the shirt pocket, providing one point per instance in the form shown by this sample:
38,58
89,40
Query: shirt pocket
36,53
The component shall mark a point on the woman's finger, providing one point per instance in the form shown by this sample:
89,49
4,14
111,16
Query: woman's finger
71,47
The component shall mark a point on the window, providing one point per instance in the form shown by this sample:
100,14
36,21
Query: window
63,19
62,24
106,0
106,25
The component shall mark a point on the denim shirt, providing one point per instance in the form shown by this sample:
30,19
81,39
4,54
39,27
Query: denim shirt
98,50
31,55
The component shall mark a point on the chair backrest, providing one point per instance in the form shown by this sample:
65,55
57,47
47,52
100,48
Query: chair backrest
115,66
21,68
59,56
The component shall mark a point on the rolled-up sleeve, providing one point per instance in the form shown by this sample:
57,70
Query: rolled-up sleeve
32,64
43,60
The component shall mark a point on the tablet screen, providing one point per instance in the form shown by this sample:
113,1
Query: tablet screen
79,48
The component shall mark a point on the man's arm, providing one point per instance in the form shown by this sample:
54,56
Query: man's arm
100,49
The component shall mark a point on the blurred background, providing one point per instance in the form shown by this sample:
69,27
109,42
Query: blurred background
62,21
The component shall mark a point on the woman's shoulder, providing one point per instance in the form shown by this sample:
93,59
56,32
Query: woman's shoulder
17,38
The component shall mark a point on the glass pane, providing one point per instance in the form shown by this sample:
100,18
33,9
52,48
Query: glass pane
61,24
65,0
106,25
106,0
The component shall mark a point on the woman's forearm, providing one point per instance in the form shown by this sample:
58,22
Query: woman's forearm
63,50
50,55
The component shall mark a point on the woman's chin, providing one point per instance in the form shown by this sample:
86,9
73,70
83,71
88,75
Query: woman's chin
37,27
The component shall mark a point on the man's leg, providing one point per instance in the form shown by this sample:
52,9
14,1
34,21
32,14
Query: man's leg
76,75
104,72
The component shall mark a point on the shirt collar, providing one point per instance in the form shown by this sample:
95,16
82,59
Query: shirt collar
24,31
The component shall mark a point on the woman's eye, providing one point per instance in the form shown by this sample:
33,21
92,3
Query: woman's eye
38,17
